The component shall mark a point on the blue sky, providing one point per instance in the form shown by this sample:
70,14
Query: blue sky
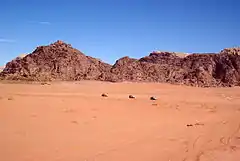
109,29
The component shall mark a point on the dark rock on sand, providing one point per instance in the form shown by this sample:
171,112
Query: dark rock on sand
104,95
153,98
131,97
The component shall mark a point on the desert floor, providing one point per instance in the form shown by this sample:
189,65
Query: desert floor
70,121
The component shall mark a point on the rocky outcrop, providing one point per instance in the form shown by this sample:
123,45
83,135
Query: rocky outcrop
203,70
231,51
59,61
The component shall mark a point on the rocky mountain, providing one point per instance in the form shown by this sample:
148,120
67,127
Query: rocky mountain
204,70
59,61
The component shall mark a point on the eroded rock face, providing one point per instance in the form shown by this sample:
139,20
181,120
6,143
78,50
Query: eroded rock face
203,70
231,51
59,61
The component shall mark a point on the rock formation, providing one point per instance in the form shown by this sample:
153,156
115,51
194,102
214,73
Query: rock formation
59,61
204,70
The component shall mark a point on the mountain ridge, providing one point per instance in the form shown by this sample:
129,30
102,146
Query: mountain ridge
60,61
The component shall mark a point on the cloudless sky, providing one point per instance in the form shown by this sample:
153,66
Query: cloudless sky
110,29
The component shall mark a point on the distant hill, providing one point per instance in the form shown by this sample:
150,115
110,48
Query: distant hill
20,56
60,61
1,68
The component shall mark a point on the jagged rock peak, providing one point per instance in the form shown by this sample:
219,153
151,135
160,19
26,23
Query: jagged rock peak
58,47
231,51
161,52
164,53
61,43
125,59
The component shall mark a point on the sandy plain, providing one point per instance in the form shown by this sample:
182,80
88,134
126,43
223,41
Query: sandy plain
70,121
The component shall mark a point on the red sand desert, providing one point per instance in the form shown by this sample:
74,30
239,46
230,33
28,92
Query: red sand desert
70,121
